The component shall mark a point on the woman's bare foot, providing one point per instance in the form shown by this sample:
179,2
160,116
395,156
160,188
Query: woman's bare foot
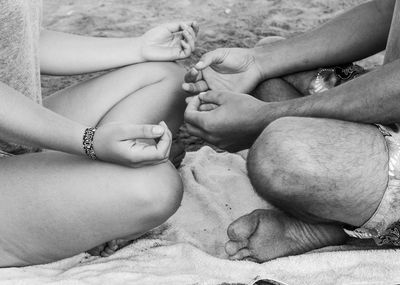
108,248
267,234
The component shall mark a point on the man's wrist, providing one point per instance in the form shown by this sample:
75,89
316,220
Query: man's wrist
271,60
269,112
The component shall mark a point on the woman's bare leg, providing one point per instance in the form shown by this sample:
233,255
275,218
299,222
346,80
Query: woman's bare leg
140,93
59,205
56,205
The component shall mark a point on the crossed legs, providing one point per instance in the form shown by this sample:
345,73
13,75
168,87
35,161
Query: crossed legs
56,205
321,174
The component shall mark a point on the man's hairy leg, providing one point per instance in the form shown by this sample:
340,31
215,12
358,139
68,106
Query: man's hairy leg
322,173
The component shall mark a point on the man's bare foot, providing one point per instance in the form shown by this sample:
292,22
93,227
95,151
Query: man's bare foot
108,248
267,234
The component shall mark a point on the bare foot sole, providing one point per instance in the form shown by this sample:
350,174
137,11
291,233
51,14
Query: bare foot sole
268,234
109,248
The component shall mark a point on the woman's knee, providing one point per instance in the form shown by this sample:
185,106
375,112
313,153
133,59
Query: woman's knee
164,71
165,197
160,196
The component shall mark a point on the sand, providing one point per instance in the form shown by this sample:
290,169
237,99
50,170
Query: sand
224,23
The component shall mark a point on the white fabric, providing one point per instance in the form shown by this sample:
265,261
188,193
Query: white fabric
188,249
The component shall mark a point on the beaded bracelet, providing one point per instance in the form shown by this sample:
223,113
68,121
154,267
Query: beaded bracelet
88,137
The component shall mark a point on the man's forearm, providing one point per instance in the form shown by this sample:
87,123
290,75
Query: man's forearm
67,54
371,98
354,35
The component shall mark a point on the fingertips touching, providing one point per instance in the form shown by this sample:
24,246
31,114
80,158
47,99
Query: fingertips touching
207,107
214,97
164,144
189,39
193,105
195,27
186,49
188,99
195,88
184,26
193,75
192,32
157,130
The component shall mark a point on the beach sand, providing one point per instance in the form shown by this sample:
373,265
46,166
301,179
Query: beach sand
225,23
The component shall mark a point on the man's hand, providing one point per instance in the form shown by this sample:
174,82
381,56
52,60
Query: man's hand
232,69
169,42
231,121
123,144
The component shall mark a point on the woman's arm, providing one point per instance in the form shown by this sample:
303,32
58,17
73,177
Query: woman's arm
67,54
22,121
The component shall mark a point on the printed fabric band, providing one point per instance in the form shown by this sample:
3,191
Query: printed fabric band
88,137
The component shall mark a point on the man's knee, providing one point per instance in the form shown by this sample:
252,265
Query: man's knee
279,163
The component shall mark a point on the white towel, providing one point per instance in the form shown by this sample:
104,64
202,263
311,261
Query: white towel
188,249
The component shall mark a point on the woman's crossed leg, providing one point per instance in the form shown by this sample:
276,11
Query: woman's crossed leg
56,205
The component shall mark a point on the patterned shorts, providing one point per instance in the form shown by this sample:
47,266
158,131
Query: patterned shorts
384,225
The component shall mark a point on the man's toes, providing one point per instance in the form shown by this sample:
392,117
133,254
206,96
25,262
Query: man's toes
232,247
244,253
243,228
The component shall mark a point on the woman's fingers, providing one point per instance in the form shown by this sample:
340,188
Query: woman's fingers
185,50
153,153
174,27
195,27
165,142
189,38
130,131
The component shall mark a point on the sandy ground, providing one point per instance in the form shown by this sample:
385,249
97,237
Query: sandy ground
224,23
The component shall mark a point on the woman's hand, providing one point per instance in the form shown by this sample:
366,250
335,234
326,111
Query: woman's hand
169,42
126,144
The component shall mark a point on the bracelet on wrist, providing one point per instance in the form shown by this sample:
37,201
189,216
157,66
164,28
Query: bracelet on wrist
88,137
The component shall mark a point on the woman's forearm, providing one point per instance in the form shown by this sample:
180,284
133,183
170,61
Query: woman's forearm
22,121
354,35
67,54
